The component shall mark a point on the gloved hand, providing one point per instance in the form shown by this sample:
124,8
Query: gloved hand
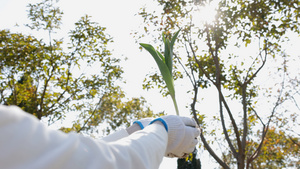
182,135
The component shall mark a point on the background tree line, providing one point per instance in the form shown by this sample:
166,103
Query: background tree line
49,79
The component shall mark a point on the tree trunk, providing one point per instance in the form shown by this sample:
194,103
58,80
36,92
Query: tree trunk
191,163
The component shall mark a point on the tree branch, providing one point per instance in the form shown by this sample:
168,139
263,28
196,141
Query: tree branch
266,128
221,99
245,125
206,145
93,113
199,64
296,143
62,94
258,70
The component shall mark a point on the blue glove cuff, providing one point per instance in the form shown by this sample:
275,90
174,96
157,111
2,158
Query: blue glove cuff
162,121
139,123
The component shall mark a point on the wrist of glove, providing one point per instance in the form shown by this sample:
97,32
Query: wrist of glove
143,122
138,125
182,135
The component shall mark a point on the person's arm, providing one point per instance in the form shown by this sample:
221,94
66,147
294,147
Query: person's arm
136,126
25,143
115,136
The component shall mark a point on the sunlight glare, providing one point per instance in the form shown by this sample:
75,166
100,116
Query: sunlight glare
206,14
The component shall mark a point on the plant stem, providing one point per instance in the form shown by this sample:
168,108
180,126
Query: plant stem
175,105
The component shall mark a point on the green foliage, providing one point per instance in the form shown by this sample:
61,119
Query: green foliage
278,151
44,15
47,80
112,110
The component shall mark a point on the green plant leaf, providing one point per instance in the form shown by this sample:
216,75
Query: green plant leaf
164,70
165,64
167,53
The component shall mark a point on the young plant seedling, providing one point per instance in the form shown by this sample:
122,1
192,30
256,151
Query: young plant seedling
165,64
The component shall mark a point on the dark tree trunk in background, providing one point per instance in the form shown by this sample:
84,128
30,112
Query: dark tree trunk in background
191,163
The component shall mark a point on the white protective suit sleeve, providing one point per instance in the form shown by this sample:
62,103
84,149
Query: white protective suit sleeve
25,143
116,136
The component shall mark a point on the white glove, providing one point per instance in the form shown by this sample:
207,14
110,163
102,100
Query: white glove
143,122
182,135
139,125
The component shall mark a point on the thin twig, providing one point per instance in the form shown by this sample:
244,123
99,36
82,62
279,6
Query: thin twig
266,128
93,113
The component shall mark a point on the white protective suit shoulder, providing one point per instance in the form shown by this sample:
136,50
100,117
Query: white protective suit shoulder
25,143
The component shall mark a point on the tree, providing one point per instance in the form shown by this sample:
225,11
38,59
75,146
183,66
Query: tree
47,80
290,122
209,63
276,147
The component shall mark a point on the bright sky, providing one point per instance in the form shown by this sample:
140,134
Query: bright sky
119,18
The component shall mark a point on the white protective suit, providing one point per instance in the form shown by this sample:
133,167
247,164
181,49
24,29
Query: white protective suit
26,143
